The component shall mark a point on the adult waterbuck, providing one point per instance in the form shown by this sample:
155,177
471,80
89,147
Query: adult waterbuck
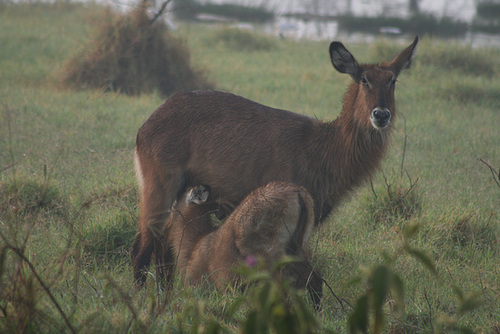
235,145
272,221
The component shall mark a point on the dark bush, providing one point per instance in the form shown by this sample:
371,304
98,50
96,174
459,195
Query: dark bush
131,54
489,27
470,93
488,10
398,204
29,197
108,242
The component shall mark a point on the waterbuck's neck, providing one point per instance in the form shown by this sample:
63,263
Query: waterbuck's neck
351,152
363,146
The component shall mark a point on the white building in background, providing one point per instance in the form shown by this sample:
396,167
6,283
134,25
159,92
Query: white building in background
460,9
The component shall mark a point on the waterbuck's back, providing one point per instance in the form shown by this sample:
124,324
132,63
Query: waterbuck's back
226,141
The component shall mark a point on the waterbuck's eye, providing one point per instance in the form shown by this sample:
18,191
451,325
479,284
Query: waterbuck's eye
393,82
364,81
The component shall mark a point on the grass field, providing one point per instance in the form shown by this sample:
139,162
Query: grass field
68,201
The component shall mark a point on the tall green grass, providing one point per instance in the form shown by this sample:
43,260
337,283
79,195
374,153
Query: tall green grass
68,204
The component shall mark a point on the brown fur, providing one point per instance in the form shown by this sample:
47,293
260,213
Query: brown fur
271,222
236,145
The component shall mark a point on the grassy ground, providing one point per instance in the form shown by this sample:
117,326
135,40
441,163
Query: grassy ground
68,207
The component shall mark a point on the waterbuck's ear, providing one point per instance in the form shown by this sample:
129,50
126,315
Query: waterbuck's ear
344,61
403,60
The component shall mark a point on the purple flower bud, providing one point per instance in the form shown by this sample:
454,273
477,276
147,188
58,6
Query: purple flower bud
251,261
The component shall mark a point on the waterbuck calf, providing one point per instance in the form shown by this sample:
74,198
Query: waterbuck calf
272,221
236,145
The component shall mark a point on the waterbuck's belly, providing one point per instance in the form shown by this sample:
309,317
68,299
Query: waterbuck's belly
231,180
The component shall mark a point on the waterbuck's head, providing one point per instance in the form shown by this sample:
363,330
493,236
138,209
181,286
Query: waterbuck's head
373,103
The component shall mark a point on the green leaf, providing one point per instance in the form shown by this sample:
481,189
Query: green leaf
285,324
251,323
411,230
358,321
354,281
397,287
3,255
388,259
306,322
380,282
464,330
258,276
458,293
235,306
213,327
471,302
286,260
422,258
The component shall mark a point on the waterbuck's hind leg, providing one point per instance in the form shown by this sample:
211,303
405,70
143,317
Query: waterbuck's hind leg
157,194
141,259
314,287
302,275
151,220
164,261
312,280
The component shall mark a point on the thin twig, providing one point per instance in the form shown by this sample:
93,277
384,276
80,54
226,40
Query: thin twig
387,185
412,185
8,167
340,300
125,298
373,188
496,174
429,306
39,279
404,145
62,259
159,12
9,131
47,177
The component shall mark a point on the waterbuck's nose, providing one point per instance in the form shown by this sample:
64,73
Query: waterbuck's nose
381,117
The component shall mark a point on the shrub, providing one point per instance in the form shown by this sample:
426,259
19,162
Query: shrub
478,62
469,92
108,242
133,55
29,197
111,227
466,229
398,202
